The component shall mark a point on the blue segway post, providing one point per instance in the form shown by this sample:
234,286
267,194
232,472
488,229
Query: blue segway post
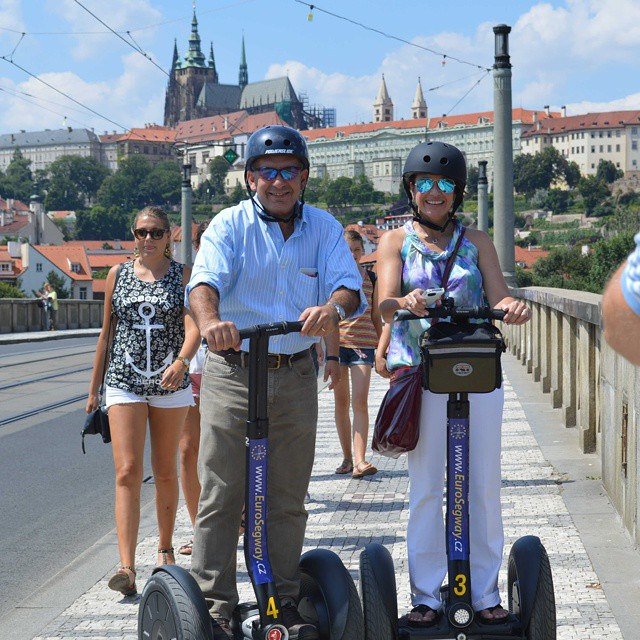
530,584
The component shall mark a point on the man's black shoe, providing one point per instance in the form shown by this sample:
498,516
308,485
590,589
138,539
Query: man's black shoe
296,625
221,629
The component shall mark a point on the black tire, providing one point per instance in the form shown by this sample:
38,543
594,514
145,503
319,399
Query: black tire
530,589
329,598
167,611
378,590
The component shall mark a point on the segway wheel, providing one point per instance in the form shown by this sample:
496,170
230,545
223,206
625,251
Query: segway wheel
530,588
378,589
168,611
329,598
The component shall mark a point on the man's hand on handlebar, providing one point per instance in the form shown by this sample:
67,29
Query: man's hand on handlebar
318,321
516,312
221,335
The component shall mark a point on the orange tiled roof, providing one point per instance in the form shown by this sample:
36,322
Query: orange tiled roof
152,133
104,260
176,232
110,137
96,245
519,115
600,120
99,285
11,228
18,205
16,264
213,127
529,256
63,256
60,215
369,231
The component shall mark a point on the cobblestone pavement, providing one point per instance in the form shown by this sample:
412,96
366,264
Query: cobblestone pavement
346,514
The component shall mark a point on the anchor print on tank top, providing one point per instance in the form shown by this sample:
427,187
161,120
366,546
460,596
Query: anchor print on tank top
149,331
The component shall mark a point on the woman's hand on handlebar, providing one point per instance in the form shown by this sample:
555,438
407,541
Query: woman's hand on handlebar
516,312
221,336
415,303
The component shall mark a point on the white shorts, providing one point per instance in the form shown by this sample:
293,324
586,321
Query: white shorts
182,398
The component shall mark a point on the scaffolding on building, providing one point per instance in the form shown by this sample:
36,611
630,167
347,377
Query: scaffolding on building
317,116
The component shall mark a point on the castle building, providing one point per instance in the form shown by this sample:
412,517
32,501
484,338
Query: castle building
194,89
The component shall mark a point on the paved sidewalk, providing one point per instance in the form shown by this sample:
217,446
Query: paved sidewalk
41,336
346,514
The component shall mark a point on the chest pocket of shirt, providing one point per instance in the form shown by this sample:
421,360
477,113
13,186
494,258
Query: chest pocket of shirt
305,291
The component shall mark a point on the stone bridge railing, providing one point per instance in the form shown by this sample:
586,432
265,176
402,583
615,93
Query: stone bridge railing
597,390
17,316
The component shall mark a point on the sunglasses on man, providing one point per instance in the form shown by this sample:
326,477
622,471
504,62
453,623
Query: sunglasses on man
424,185
156,234
270,174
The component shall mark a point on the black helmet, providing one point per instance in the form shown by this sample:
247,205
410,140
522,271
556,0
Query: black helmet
439,158
276,139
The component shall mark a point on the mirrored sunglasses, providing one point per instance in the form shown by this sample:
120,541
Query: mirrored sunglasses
424,185
156,234
270,174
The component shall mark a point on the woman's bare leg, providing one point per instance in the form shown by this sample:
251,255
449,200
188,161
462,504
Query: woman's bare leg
189,444
343,419
360,379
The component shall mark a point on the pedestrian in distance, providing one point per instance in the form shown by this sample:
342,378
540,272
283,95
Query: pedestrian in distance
146,380
190,436
270,258
49,296
411,260
358,341
621,308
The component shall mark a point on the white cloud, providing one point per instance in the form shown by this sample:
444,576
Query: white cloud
11,18
631,101
132,99
120,15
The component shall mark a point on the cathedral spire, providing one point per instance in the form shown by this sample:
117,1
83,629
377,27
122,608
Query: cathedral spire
174,61
419,106
212,64
383,106
243,76
194,57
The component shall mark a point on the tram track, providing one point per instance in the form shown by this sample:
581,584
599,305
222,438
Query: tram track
36,411
31,362
43,378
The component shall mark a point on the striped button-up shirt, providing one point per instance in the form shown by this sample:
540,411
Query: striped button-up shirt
262,278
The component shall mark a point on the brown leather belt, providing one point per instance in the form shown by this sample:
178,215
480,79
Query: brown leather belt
274,361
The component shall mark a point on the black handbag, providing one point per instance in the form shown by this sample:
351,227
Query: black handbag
97,422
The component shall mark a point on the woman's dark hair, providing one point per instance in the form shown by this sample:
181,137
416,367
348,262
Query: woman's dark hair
154,212
354,236
202,227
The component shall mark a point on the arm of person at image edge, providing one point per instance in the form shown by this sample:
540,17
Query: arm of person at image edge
495,287
621,308
214,267
173,375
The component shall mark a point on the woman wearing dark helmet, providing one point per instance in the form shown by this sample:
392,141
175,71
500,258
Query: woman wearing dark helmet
411,260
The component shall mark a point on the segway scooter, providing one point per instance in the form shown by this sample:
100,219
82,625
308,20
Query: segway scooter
172,606
458,358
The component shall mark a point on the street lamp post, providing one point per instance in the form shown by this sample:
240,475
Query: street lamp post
503,212
185,221
483,198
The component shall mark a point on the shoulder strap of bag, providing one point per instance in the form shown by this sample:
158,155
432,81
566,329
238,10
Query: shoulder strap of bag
452,258
107,351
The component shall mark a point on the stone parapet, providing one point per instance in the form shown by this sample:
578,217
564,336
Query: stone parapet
23,315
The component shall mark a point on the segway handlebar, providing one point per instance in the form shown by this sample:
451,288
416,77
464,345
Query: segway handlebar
457,313
271,329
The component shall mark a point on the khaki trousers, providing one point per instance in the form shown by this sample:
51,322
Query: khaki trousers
293,415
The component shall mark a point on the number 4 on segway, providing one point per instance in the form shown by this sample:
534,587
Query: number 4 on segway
173,607
458,358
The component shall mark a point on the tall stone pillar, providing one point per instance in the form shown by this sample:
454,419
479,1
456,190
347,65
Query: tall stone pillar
483,197
503,213
185,221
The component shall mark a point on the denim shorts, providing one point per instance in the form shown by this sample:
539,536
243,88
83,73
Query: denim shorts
182,398
349,356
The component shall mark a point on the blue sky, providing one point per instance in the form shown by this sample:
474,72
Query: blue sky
581,53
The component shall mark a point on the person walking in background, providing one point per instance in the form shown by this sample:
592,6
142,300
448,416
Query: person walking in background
146,380
190,436
358,341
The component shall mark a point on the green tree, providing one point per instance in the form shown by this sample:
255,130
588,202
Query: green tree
163,185
124,189
57,282
361,191
101,222
572,174
557,200
17,181
238,194
593,191
472,181
315,190
218,169
10,291
608,172
607,256
73,182
538,171
339,192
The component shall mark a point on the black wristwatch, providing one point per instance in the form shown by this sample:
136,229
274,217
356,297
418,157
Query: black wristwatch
332,359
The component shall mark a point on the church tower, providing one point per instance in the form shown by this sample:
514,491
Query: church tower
383,106
243,75
212,65
419,106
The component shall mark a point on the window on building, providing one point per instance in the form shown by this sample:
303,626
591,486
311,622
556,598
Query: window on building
634,130
617,147
75,267
593,135
601,148
618,165
634,145
83,293
617,133
593,166
608,148
39,267
5,266
593,149
634,162
608,134
599,134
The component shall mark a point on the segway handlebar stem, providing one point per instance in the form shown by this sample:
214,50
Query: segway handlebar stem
271,329
458,314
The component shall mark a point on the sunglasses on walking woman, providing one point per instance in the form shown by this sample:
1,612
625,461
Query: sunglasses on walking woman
156,234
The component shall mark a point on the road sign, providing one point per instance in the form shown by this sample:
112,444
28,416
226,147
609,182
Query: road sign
230,155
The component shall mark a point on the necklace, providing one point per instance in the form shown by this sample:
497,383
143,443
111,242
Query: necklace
429,238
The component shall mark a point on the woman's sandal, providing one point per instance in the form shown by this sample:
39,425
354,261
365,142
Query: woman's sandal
186,549
167,554
503,614
122,582
363,469
423,610
346,466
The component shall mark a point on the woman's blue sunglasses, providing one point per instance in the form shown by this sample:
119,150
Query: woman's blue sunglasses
270,174
424,185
